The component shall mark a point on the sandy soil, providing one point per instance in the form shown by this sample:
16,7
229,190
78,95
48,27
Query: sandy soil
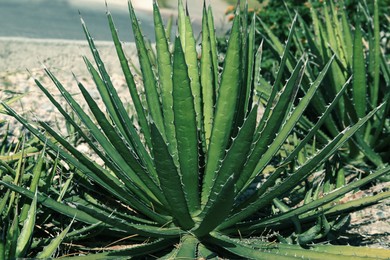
19,68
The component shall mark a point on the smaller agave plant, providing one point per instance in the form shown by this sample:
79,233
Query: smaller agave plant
359,55
184,177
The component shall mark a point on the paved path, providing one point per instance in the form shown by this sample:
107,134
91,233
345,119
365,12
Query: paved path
59,19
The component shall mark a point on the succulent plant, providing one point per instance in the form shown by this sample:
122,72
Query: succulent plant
359,56
185,176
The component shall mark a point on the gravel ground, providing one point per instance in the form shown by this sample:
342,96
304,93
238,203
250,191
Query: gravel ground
19,68
369,227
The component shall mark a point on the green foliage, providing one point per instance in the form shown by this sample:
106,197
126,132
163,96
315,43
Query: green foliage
185,177
360,65
278,16
24,163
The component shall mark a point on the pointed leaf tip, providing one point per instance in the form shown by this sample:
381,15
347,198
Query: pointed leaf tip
238,8
187,13
107,10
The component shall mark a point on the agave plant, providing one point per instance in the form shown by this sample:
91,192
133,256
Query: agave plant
180,178
358,54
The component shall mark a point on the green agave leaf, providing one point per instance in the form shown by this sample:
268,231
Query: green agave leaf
311,39
171,181
213,46
306,210
321,229
186,129
346,32
352,206
208,77
333,252
330,42
375,52
216,212
284,52
289,125
367,150
284,208
188,248
19,172
255,202
220,201
359,76
149,79
25,236
385,68
105,84
132,251
337,26
273,39
124,127
133,228
97,135
244,101
165,71
168,30
12,237
64,189
362,252
272,126
88,215
37,170
249,79
92,203
132,169
206,253
245,251
224,109
2,249
130,82
316,21
105,179
4,199
354,128
181,21
112,155
330,27
314,130
68,118
380,122
82,232
93,171
50,249
255,249
27,152
191,56
50,203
